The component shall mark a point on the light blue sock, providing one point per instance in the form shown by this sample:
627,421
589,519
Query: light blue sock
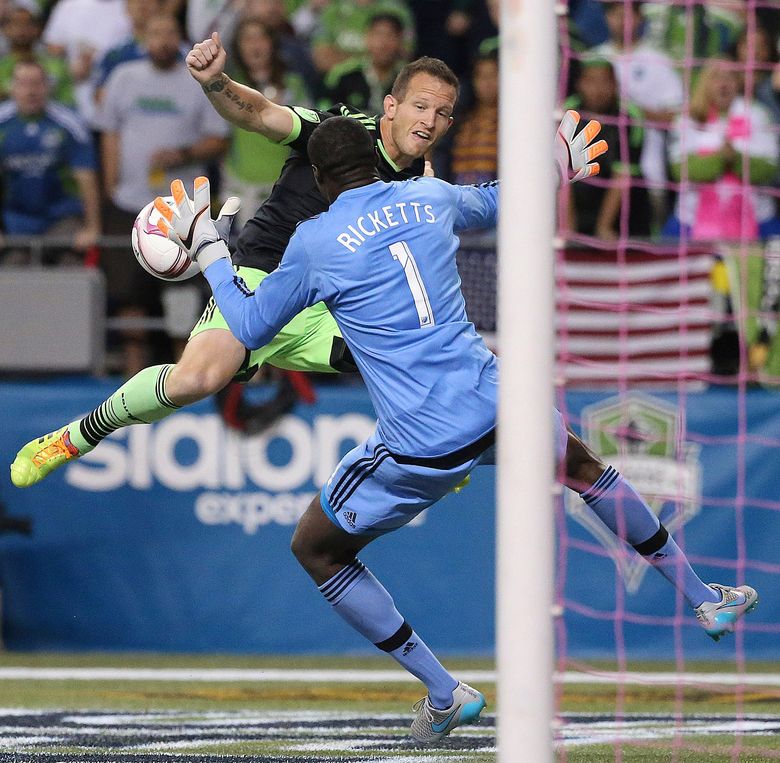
625,512
419,660
361,600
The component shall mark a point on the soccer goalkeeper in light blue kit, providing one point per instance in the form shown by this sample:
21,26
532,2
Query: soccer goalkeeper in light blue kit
382,258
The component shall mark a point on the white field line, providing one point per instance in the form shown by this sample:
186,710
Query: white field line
235,675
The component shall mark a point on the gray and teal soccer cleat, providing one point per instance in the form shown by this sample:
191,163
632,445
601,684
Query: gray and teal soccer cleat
40,457
431,725
718,618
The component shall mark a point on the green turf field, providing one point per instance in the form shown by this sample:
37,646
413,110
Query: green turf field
67,707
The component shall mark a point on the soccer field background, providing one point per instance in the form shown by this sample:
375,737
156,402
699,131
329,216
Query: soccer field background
102,707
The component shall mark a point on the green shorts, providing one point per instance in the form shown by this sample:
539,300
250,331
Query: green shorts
311,341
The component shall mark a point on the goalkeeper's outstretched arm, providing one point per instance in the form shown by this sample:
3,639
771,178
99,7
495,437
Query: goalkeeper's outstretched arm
241,105
477,206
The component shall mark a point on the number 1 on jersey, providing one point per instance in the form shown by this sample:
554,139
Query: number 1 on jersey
401,252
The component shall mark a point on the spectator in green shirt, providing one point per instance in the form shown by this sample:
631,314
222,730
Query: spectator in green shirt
253,162
342,32
363,82
723,154
22,29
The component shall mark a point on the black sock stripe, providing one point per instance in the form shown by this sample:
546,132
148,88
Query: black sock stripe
169,402
92,424
97,417
335,593
605,475
399,638
103,423
328,585
160,388
352,472
94,428
656,543
110,414
358,481
607,478
158,385
594,493
99,423
87,434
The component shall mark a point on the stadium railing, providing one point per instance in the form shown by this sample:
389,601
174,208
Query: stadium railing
642,310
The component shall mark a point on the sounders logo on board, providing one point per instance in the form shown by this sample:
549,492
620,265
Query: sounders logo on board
250,481
641,436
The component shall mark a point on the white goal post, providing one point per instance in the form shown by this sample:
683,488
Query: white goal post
525,524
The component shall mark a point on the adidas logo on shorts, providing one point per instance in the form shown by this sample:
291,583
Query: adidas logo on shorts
349,518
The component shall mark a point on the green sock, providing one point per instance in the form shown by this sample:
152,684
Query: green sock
140,400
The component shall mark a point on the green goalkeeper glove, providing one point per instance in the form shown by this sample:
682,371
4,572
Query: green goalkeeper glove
188,222
577,152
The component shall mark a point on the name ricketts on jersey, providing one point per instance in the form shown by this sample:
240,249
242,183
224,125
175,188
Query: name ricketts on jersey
295,196
390,216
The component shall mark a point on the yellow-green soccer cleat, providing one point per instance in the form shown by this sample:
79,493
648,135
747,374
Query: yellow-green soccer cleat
42,456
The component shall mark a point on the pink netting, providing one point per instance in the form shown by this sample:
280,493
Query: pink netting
666,349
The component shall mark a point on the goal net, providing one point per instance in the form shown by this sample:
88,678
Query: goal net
667,364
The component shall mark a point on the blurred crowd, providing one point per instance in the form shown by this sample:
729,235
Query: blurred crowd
98,112
689,96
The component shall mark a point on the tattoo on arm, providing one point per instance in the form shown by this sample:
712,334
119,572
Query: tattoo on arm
238,100
220,86
214,87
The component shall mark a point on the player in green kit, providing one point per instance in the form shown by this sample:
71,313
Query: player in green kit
417,114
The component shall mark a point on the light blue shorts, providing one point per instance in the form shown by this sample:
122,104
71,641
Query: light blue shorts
370,493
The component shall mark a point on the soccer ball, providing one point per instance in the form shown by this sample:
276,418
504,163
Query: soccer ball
155,252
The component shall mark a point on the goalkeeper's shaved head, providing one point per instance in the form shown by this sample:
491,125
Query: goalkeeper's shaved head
342,153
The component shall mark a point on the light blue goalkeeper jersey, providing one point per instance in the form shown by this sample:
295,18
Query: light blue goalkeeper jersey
382,258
